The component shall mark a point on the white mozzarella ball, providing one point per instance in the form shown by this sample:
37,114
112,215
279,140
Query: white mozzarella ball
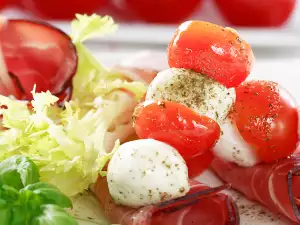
233,148
145,172
198,92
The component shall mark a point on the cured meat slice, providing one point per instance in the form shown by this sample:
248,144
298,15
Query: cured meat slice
36,53
137,74
275,185
202,205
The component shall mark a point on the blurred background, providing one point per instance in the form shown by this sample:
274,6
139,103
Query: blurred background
272,27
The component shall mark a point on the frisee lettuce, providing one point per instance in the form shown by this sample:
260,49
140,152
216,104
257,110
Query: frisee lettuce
69,145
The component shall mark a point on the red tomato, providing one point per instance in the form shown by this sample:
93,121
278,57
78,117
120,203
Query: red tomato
4,3
211,50
62,9
177,125
256,13
162,11
267,118
199,163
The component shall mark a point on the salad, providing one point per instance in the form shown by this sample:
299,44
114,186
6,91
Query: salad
132,140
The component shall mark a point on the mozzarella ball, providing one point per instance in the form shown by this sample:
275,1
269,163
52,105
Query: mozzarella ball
198,92
144,172
233,148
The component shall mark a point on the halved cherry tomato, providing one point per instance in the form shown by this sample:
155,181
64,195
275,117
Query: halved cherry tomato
267,118
260,13
211,50
162,11
197,164
177,125
62,9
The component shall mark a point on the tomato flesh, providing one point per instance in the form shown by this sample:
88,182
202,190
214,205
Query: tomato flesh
199,163
251,13
211,50
267,118
177,125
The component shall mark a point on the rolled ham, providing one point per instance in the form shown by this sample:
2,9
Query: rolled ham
275,185
201,206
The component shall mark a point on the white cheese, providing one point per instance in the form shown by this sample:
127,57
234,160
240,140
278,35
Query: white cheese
233,148
200,93
146,171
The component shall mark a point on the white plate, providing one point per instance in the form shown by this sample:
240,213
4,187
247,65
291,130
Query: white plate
141,34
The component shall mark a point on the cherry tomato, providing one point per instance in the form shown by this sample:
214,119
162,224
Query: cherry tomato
62,9
267,118
211,50
256,13
162,11
177,125
4,3
197,164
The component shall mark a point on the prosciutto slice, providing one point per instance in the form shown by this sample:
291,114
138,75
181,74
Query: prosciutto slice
275,185
202,205
35,53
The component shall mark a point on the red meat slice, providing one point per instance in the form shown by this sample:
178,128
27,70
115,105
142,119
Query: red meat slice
137,74
36,53
275,185
209,207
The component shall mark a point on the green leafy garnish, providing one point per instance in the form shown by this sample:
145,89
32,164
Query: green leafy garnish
18,172
36,202
69,145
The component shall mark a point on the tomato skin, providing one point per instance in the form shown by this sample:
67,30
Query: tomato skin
162,11
211,50
4,3
199,163
267,118
254,13
176,125
62,9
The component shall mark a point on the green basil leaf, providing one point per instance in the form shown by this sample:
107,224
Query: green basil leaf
19,215
49,194
5,215
18,171
53,215
8,194
30,200
40,185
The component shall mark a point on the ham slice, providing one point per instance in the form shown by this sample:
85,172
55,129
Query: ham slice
202,205
275,185
137,74
36,53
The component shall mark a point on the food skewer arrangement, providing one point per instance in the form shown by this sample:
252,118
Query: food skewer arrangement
137,138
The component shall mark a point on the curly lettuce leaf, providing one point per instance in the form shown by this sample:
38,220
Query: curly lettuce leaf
68,150
92,79
69,146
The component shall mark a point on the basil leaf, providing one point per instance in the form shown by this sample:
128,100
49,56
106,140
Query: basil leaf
5,215
49,194
53,215
19,215
8,194
18,171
